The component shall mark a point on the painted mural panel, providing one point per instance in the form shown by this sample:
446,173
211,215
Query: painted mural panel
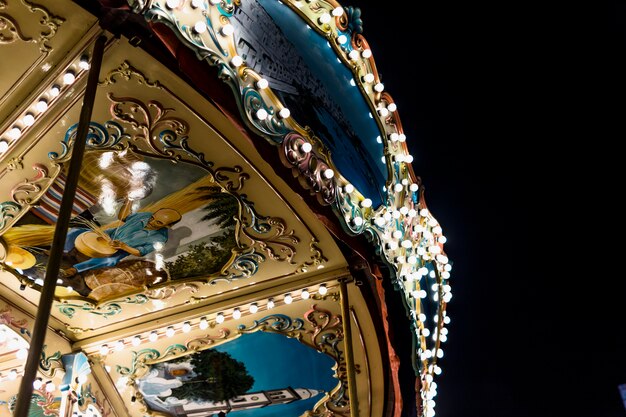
138,221
258,374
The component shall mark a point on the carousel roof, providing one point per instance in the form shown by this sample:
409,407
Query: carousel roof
245,202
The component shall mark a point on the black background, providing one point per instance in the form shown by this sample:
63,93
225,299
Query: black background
512,112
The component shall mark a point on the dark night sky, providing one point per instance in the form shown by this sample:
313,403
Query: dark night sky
485,104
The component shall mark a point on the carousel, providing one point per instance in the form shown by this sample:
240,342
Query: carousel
208,208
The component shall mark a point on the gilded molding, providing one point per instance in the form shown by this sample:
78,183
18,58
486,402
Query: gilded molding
29,190
126,71
50,365
15,163
9,29
49,20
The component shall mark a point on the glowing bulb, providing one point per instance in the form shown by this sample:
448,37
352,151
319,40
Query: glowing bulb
253,308
446,320
305,294
341,39
379,87
186,327
228,29
204,324
172,4
354,55
366,203
383,112
322,289
82,378
104,349
325,18
12,374
84,62
153,336
329,173
367,53
337,11
284,113
408,159
169,332
28,120
236,61
69,77
348,188
358,221
119,345
392,107
15,133
199,27
306,147
397,234
136,341
236,314
55,90
37,383
3,147
413,187
219,318
196,3
368,78
50,387
261,114
270,303
262,84
42,105
288,298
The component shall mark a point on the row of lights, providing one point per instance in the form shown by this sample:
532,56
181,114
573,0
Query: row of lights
203,323
42,103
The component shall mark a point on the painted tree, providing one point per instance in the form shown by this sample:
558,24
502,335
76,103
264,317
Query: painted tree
221,206
219,378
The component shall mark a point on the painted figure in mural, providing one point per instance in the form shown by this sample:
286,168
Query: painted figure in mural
138,235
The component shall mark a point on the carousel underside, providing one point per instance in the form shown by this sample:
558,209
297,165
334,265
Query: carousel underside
235,244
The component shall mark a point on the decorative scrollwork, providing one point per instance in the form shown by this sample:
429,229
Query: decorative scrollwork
10,30
354,21
317,259
49,20
105,310
127,71
142,357
15,163
167,292
8,211
225,175
204,342
275,323
27,191
245,265
49,365
99,136
309,168
7,318
270,125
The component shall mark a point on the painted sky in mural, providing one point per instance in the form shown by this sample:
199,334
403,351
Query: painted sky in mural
268,373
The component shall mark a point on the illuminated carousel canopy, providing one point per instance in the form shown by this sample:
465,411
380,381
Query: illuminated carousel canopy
242,233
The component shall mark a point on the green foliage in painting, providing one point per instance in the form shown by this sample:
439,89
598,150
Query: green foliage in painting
221,206
219,378
203,259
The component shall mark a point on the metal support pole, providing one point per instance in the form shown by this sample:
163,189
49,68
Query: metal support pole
347,343
60,233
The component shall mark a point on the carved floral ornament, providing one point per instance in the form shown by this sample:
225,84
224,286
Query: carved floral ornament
11,30
403,230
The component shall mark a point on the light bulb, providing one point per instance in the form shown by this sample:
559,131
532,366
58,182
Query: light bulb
253,308
348,188
196,3
136,341
261,114
37,383
12,374
22,353
69,77
42,105
28,120
358,221
337,11
82,378
15,133
55,90
169,332
262,84
199,27
284,112
306,147
368,78
219,318
204,324
236,61
228,29
119,345
379,87
172,4
383,112
413,187
104,349
236,314
305,294
322,289
186,327
408,159
153,336
366,203
3,146
354,55
270,303
288,298
392,107
329,173
341,39
50,387
324,18
84,62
